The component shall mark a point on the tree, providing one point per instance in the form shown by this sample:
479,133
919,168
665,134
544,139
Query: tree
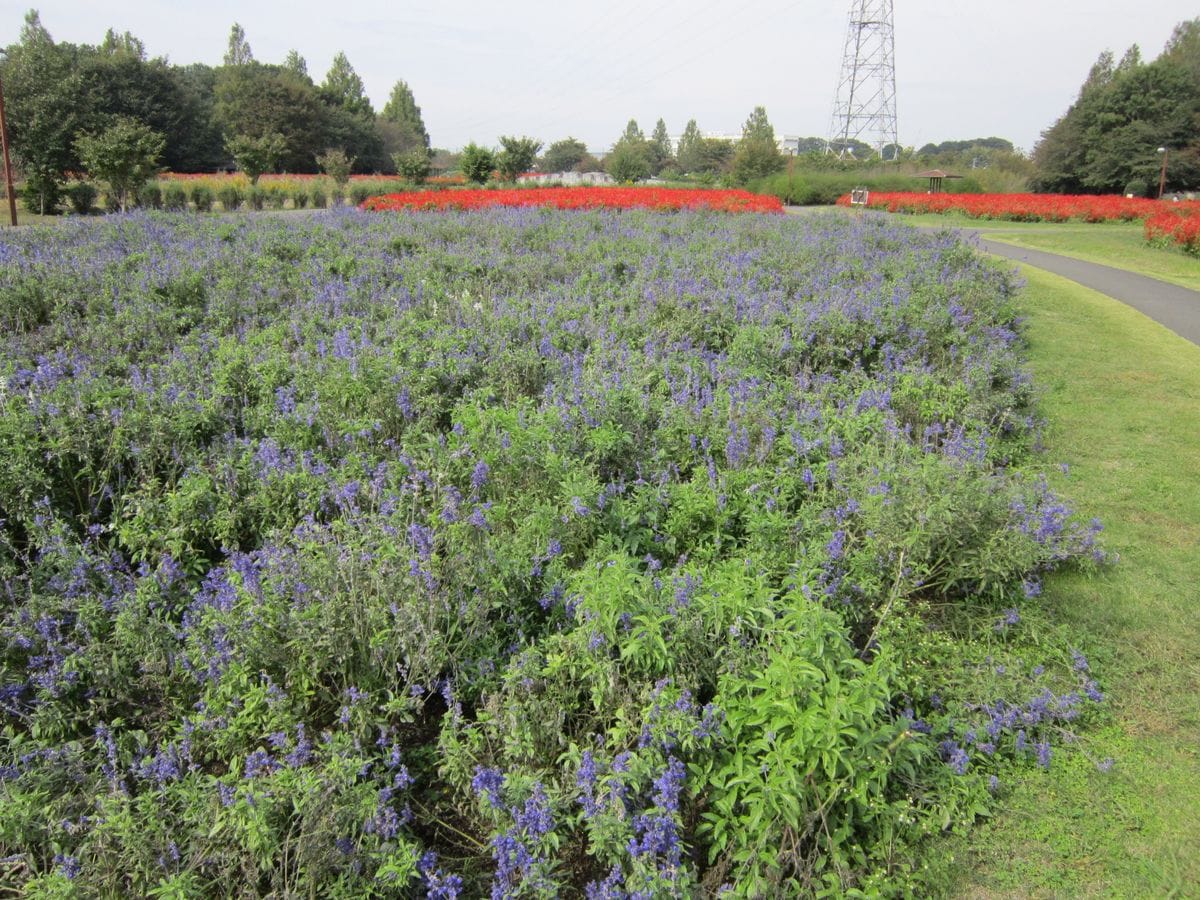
238,52
198,146
632,157
661,152
122,44
758,128
343,87
689,153
564,155
628,161
1108,139
124,156
47,107
256,100
1183,48
337,165
295,63
632,133
414,165
477,163
516,156
402,112
757,154
257,155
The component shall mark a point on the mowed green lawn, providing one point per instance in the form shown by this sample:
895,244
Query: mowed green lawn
1118,244
1122,396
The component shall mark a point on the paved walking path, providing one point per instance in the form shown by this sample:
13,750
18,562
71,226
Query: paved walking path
1178,308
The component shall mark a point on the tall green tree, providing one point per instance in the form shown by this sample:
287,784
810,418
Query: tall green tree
350,122
238,52
757,154
1108,139
564,155
199,146
689,152
400,124
343,87
296,63
124,156
632,133
1183,47
662,154
255,100
47,106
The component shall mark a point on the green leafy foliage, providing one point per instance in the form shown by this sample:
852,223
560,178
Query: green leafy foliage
124,156
477,163
532,551
516,156
257,155
1125,111
337,165
564,155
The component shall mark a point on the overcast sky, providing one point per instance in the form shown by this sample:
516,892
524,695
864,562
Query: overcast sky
548,68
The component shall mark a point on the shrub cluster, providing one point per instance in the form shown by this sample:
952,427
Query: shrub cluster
549,552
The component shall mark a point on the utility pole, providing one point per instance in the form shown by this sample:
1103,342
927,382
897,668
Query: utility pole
8,179
865,101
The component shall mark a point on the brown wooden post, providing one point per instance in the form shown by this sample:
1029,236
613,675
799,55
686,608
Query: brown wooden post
8,179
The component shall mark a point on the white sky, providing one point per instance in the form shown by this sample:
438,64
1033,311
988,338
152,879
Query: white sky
550,69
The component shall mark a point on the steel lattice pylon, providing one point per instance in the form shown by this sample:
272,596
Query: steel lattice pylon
864,107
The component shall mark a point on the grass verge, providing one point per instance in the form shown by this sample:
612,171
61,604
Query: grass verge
1123,398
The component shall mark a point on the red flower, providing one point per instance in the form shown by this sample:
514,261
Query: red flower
580,198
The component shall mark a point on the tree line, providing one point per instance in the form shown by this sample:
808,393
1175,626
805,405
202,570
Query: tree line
635,156
61,96
1109,140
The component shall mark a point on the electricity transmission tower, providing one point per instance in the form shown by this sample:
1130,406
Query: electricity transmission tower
864,108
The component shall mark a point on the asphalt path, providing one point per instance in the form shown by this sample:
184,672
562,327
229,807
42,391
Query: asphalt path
1178,308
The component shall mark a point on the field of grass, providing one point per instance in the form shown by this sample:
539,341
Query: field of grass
1122,396
1118,244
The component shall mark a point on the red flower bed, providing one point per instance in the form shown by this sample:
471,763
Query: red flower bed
1021,207
1179,224
580,198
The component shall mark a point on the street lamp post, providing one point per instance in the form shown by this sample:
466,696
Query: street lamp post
1162,176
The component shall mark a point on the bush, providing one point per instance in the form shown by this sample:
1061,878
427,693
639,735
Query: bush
816,187
276,196
41,196
477,163
256,197
150,195
230,196
82,196
413,166
300,196
628,163
174,196
516,524
202,197
317,195
360,191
